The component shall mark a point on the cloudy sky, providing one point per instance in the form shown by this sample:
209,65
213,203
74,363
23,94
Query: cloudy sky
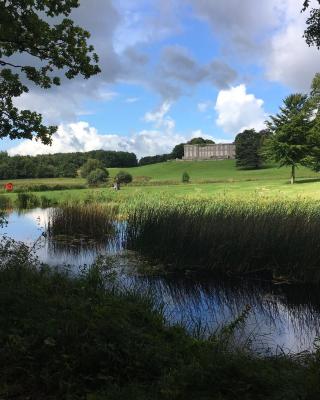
176,69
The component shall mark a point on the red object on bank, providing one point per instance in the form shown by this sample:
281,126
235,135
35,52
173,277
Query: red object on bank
8,187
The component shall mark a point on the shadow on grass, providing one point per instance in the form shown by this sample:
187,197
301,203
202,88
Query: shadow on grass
307,180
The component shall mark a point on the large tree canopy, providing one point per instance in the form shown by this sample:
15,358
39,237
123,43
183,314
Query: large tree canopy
248,145
289,143
37,40
312,32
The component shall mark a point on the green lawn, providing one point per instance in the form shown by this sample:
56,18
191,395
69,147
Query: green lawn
208,178
211,170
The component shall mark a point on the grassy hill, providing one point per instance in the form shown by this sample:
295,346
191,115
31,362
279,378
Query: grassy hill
210,178
218,171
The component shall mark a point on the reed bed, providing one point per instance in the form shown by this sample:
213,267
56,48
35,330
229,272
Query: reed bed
272,239
92,220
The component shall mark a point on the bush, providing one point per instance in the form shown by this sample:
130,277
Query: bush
185,177
123,177
47,188
97,176
90,166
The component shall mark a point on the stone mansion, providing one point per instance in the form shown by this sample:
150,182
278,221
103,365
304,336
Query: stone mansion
223,151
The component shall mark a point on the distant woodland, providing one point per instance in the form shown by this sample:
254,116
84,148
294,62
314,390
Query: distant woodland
60,164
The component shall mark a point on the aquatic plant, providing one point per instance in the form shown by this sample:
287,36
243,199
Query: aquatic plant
94,220
5,202
29,200
272,239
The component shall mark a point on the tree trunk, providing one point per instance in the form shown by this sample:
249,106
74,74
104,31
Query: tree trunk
293,174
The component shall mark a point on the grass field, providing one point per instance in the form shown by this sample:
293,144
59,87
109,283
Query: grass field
224,170
208,178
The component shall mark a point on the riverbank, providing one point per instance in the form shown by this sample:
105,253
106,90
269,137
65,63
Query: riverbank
264,238
100,342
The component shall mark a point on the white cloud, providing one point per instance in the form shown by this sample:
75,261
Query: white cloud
290,60
204,106
159,117
237,110
265,33
131,100
82,137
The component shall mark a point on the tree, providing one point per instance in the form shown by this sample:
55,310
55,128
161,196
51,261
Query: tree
89,166
178,151
97,176
248,145
36,39
312,159
123,177
312,32
290,128
154,159
201,141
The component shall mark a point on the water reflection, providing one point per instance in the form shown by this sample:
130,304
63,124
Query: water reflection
285,317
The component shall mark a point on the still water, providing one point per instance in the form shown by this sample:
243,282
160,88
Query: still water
282,318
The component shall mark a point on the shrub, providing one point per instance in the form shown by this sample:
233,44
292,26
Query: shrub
90,166
46,188
185,177
97,176
123,177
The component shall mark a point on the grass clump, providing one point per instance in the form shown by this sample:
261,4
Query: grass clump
67,337
94,220
269,238
29,200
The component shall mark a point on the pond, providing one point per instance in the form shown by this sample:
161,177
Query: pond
281,318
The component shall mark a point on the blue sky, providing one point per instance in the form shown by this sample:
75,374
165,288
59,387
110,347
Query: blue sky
175,69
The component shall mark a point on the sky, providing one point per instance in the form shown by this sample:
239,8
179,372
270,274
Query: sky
173,70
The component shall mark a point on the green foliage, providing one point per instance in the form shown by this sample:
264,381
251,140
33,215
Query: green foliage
90,165
233,237
178,151
38,28
290,128
29,200
123,177
248,145
81,337
47,187
154,159
185,177
312,32
93,220
60,164
201,141
97,176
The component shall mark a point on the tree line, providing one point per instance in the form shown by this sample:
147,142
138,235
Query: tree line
176,153
60,164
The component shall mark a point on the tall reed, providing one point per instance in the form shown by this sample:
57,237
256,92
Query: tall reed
92,220
273,238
